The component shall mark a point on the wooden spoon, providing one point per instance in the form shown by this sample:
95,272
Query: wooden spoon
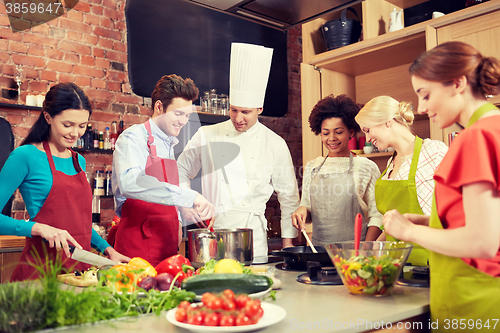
309,241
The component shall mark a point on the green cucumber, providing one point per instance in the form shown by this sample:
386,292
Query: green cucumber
238,283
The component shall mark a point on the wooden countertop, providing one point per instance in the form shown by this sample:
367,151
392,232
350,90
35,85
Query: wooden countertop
11,241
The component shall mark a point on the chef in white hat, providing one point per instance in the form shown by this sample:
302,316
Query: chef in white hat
242,161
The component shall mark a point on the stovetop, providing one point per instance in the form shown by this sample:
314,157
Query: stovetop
413,276
316,274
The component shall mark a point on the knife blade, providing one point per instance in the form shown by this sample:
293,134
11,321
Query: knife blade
90,258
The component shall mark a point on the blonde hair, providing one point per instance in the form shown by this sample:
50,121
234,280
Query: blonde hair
382,109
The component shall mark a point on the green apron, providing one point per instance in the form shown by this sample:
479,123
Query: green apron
402,195
462,297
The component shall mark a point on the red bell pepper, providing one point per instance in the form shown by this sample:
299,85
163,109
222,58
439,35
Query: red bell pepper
176,265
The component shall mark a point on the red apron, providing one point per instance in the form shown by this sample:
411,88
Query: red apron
150,230
69,207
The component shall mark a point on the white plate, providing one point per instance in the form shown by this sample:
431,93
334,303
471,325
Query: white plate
272,314
259,295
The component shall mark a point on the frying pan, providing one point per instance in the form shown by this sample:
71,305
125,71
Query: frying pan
297,257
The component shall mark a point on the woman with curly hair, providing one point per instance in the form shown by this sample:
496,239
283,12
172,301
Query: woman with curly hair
339,186
407,183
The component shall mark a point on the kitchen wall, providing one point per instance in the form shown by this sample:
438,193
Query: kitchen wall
88,46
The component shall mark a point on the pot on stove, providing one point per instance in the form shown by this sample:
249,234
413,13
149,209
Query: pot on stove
204,245
297,257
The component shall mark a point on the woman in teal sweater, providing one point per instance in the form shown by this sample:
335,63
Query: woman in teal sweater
51,179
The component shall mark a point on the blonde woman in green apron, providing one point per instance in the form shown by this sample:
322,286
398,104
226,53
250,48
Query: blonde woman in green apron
337,187
452,82
407,183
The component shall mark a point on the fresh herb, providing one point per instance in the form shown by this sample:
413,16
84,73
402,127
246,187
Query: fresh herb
36,305
272,295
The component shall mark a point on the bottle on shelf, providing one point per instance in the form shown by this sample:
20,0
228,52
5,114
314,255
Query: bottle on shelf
114,135
96,139
120,127
108,189
99,183
101,140
96,209
88,137
107,139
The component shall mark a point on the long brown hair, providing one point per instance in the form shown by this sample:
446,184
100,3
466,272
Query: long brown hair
61,97
451,60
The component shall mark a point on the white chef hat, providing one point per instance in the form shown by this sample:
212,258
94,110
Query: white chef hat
248,75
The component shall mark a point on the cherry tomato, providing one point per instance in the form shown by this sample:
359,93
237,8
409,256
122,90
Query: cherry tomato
226,320
241,300
261,312
228,304
211,319
214,303
184,304
195,319
205,297
229,294
251,308
242,320
181,315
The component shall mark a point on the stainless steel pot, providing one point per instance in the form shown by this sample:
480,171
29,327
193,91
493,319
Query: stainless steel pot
204,245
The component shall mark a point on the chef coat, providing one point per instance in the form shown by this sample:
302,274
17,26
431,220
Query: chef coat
262,165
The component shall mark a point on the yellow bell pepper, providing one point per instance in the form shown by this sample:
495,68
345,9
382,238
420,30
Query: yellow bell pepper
137,263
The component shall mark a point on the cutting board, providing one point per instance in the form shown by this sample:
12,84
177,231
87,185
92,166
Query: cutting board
78,281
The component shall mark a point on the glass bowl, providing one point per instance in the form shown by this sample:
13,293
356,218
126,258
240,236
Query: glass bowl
373,269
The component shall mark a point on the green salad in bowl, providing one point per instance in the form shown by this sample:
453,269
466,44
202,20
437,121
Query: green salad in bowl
373,269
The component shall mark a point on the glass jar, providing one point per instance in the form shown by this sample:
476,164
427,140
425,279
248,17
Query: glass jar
205,102
99,183
224,105
214,105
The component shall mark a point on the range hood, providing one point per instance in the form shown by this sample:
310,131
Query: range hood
278,14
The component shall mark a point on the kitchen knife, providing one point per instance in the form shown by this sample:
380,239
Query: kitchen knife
90,258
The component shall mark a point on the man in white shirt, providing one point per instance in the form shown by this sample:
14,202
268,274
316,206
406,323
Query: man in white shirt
242,161
145,177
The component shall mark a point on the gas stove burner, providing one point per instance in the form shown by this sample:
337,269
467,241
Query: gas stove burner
284,267
415,277
318,275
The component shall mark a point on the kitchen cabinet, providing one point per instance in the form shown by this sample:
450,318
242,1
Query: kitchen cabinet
11,248
378,65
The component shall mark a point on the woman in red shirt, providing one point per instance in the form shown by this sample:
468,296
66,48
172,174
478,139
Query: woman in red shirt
452,82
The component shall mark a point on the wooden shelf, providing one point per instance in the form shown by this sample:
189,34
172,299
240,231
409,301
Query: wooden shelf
93,150
393,48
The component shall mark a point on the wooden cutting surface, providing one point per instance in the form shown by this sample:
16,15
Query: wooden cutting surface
11,241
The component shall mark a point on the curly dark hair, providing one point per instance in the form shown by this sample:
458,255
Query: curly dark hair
334,107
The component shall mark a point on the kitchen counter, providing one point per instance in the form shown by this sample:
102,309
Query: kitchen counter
311,308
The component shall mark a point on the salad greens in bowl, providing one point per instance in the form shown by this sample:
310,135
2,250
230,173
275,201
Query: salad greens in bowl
373,269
